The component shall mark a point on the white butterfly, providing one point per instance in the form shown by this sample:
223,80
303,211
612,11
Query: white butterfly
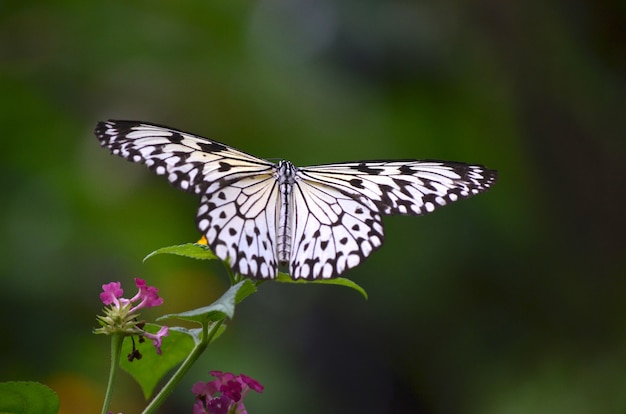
320,220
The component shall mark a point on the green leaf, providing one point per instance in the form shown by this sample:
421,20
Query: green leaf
193,250
196,333
247,288
25,397
222,308
149,370
285,278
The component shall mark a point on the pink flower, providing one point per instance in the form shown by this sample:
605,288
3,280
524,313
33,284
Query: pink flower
252,383
157,338
225,394
147,294
121,316
110,292
218,405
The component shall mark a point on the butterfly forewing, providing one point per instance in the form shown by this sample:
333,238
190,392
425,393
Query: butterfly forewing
191,163
409,187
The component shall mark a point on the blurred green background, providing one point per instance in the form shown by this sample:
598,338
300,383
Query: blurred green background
511,302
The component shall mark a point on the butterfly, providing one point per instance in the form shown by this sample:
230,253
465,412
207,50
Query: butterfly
319,221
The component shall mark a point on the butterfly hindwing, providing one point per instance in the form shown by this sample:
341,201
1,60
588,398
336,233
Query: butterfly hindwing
332,231
239,222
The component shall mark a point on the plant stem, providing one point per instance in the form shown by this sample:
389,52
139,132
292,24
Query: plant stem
168,388
116,350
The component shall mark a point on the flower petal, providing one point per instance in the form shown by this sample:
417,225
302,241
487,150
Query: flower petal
157,338
252,383
110,292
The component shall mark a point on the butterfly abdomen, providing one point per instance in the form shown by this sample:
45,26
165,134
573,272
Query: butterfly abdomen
285,175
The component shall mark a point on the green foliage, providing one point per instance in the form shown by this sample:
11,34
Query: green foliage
340,281
202,252
222,308
180,342
24,397
192,250
184,344
483,299
149,370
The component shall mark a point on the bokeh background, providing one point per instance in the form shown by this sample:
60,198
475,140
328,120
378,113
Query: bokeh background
511,302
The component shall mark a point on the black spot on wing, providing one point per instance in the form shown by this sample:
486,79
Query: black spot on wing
384,196
357,183
362,167
176,138
211,146
406,170
311,261
402,185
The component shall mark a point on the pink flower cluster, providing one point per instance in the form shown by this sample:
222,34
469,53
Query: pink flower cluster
223,395
121,314
148,295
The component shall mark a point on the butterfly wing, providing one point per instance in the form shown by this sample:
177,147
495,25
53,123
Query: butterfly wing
332,231
338,207
408,187
239,222
239,196
190,162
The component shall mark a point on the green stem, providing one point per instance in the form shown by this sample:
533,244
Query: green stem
169,387
116,350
